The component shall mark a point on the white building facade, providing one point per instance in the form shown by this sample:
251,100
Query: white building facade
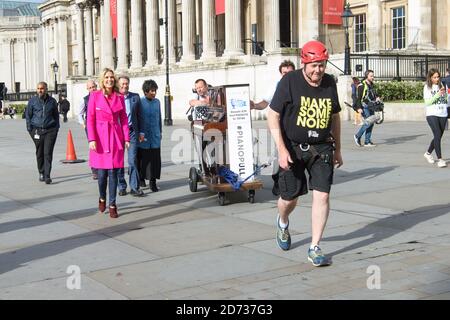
20,47
244,45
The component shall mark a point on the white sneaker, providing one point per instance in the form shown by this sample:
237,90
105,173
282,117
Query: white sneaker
429,157
441,163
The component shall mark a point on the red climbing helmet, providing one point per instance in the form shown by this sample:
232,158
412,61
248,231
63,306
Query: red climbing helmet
314,51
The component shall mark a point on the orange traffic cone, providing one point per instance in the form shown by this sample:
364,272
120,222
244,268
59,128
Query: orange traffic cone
71,156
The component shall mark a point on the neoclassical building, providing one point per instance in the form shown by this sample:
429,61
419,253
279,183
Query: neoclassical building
243,45
20,45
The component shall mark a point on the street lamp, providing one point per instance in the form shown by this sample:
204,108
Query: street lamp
167,102
55,71
347,22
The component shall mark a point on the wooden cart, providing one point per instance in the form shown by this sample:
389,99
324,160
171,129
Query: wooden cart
209,133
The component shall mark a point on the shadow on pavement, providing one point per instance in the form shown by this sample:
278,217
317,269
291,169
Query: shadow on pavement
385,228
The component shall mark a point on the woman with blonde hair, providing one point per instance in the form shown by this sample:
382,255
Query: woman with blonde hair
108,134
435,96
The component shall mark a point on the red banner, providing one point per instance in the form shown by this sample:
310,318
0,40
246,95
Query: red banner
220,7
113,13
332,11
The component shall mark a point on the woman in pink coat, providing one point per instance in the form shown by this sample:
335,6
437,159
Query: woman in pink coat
107,125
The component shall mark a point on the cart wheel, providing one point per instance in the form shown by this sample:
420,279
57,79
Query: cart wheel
251,196
221,196
193,179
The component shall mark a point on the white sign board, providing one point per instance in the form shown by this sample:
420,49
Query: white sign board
240,148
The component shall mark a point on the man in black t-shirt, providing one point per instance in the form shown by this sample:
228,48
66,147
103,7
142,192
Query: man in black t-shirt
305,124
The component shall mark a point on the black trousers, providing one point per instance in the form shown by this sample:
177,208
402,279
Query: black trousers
437,125
149,164
44,149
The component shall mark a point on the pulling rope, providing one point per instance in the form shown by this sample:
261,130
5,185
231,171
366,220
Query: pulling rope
233,178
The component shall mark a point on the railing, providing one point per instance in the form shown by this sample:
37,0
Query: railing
198,47
292,44
220,47
25,96
398,66
178,53
160,55
257,46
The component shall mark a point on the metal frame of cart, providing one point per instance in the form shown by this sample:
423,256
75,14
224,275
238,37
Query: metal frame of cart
213,118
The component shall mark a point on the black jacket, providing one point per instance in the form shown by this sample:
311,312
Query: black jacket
366,93
42,113
64,106
446,81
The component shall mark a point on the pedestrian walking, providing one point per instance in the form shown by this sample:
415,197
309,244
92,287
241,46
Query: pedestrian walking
436,102
305,125
42,121
366,96
64,106
285,67
108,135
150,136
82,115
133,109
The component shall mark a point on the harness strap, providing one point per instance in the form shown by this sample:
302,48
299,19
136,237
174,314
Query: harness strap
305,147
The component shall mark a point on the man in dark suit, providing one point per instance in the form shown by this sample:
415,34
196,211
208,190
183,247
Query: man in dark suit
42,120
82,115
133,106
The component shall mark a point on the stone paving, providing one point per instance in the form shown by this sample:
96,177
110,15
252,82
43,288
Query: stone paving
389,212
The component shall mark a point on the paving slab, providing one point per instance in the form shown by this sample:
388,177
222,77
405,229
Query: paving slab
185,271
56,289
389,208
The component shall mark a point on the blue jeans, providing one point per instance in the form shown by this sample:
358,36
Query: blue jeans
132,167
365,128
103,175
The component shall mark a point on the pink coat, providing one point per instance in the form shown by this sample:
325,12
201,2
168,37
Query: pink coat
107,125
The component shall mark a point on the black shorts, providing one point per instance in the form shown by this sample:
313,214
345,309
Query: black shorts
293,182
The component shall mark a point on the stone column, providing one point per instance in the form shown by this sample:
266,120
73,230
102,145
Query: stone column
89,40
136,34
30,63
188,21
271,25
26,67
419,30
308,21
106,36
122,36
63,52
34,54
80,37
172,21
11,59
374,18
45,46
56,45
233,28
152,25
209,29
97,23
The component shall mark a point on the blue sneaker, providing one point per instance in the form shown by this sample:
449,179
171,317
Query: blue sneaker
283,236
317,258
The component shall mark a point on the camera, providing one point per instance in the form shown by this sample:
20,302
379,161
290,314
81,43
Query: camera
375,106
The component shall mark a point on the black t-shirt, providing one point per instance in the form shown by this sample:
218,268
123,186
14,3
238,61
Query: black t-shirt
305,111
